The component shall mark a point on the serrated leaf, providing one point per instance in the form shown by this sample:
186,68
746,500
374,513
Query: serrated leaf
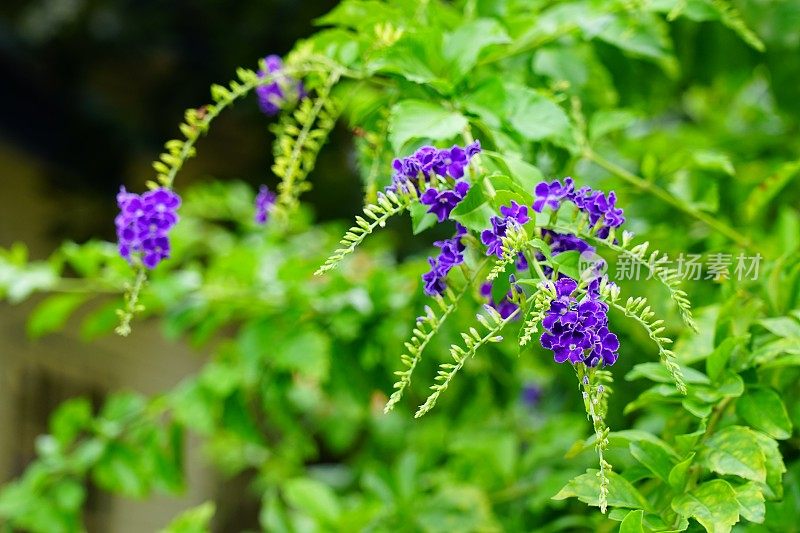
538,118
473,212
586,488
713,504
420,119
735,450
463,46
751,502
679,474
632,523
763,409
654,458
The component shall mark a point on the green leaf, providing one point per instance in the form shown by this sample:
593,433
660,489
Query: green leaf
121,470
506,185
416,57
523,173
463,46
586,487
713,504
654,458
473,212
420,218
774,465
308,353
419,119
679,474
567,263
751,502
632,523
194,520
71,417
658,373
719,358
735,450
52,314
314,498
538,118
782,326
645,36
606,121
762,408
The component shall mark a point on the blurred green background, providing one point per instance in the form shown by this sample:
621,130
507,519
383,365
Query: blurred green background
92,89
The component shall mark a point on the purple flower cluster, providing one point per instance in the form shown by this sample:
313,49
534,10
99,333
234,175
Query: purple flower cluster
493,238
450,255
273,96
600,207
577,331
144,222
264,202
429,161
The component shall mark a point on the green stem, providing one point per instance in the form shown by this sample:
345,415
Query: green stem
658,192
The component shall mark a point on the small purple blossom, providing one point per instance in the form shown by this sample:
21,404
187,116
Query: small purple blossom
273,96
265,200
530,395
552,194
143,224
443,202
601,209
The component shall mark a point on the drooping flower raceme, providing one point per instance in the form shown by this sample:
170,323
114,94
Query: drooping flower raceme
144,222
265,200
273,96
450,255
577,330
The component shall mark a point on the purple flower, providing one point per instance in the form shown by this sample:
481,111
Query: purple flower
518,212
273,96
452,162
265,200
577,331
143,224
450,255
551,194
434,279
602,208
473,148
493,238
530,395
443,202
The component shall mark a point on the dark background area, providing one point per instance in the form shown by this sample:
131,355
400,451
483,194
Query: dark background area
91,89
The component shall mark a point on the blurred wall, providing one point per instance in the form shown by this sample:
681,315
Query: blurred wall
91,90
